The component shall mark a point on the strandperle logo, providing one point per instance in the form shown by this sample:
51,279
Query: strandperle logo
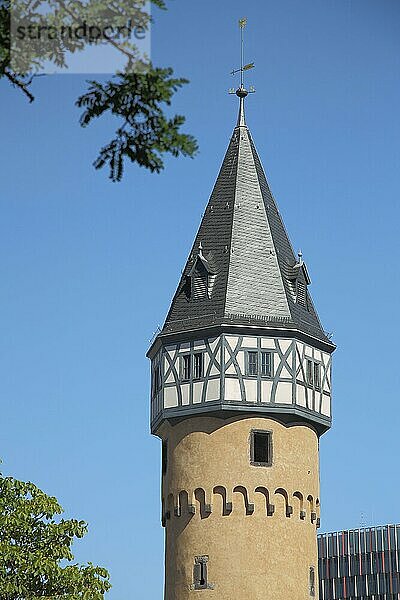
79,36
84,32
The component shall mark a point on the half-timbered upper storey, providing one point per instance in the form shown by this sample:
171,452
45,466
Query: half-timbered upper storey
243,286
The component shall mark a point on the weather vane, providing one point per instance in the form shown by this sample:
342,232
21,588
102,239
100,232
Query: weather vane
241,91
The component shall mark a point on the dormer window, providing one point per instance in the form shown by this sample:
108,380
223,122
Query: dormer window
200,278
199,282
301,295
299,280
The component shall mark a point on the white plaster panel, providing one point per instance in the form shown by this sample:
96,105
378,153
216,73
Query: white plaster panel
231,370
249,342
300,395
170,378
267,343
185,388
250,386
214,370
284,344
213,343
240,359
285,373
213,390
299,347
325,357
206,359
232,341
170,397
326,406
310,398
266,389
197,392
289,361
171,352
232,389
283,393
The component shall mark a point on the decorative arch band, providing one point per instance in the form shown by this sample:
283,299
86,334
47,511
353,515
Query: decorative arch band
221,500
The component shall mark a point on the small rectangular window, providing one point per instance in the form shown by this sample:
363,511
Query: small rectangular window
312,581
186,370
200,573
164,457
317,376
313,374
198,365
261,448
310,373
252,363
156,379
266,364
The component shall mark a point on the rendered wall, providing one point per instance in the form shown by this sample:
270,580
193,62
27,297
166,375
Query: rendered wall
256,524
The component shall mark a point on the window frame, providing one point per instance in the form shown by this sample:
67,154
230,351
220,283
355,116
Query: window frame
312,368
311,581
268,434
157,379
197,375
250,353
186,365
270,363
310,372
187,368
259,353
317,379
200,565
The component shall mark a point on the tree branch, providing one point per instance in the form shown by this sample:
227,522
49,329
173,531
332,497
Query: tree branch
19,83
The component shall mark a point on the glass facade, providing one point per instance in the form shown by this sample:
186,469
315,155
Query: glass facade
360,564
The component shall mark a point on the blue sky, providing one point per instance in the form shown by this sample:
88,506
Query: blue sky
88,267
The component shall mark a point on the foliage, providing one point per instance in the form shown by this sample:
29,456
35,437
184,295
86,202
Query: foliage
146,133
137,96
35,549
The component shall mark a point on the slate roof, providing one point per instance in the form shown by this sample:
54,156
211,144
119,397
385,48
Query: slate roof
243,237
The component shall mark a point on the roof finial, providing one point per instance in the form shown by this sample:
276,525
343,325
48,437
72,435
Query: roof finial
241,92
300,255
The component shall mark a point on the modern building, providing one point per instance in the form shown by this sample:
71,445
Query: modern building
241,393
360,564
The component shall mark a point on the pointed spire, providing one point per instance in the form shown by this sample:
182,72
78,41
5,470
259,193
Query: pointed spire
254,267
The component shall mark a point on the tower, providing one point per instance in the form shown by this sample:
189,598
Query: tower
241,392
